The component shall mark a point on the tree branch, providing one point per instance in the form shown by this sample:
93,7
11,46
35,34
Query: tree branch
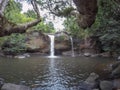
21,28
35,7
3,4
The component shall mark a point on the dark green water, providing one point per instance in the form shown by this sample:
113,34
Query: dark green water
62,73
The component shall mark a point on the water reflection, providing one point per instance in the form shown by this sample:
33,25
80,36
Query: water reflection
55,79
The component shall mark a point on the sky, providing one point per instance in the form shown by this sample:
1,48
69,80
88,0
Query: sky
57,21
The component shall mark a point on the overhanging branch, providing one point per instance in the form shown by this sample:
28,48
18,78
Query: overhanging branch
13,28
3,4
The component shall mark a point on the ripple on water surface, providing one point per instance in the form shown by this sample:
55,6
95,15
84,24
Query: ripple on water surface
44,73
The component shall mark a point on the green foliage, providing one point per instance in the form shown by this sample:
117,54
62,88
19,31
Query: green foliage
107,25
65,12
57,7
14,44
71,26
111,38
13,13
61,38
2,39
45,27
30,13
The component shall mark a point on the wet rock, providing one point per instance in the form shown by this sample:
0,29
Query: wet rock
115,65
116,72
26,55
116,83
87,54
22,56
94,55
90,83
84,86
91,80
9,86
118,58
106,85
67,53
105,54
1,82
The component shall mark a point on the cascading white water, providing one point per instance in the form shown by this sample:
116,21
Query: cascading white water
72,47
51,45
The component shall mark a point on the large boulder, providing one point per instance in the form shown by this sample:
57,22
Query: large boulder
92,80
115,65
1,82
62,42
67,53
9,86
116,83
90,83
106,85
37,41
87,54
62,45
116,70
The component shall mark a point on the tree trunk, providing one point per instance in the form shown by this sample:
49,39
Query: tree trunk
7,27
3,4
87,10
18,28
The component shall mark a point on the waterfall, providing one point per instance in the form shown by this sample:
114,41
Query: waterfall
51,45
72,47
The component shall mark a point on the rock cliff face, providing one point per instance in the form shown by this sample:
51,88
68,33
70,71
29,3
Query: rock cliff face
90,45
87,10
62,42
37,41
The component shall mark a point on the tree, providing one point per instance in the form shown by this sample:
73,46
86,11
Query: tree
87,10
7,27
14,44
13,13
44,27
57,7
87,13
107,25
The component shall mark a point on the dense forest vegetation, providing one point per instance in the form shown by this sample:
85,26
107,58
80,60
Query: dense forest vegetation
100,18
106,26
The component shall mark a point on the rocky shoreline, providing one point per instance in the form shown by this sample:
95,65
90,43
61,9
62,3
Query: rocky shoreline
111,83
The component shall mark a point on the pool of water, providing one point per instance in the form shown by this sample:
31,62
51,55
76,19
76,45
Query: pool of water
43,73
